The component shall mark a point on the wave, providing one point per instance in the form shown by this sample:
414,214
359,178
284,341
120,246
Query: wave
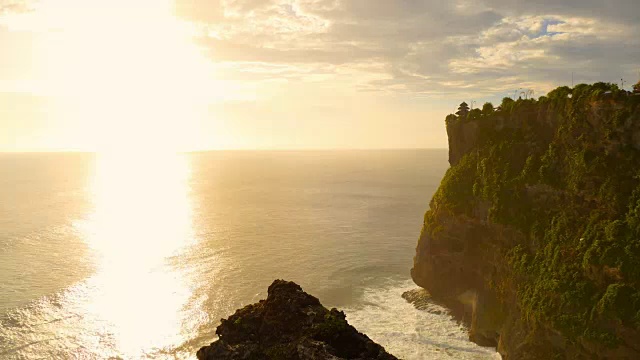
422,330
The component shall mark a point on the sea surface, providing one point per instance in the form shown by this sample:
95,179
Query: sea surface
129,256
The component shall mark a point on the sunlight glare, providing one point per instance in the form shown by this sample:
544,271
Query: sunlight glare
142,219
128,72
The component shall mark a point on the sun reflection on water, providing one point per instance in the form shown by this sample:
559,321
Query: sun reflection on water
141,221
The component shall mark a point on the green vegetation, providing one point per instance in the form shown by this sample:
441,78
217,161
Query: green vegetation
457,186
332,326
564,172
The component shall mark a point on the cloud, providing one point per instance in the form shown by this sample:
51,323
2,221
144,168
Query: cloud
424,48
200,10
595,50
430,47
613,10
14,6
325,66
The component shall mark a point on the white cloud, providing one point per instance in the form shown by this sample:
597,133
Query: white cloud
401,50
430,47
419,46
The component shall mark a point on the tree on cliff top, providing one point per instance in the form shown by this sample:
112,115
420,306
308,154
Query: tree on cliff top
463,110
506,104
636,88
474,114
487,108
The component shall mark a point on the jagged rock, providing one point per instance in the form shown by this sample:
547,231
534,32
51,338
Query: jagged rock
290,324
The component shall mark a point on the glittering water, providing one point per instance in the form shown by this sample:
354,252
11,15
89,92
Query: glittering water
139,256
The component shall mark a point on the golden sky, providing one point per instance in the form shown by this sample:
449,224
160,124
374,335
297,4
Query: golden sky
281,74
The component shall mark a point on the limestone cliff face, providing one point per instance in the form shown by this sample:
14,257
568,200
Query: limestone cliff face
456,263
466,139
533,238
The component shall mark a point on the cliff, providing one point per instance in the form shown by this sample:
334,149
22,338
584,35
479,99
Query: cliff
533,237
290,325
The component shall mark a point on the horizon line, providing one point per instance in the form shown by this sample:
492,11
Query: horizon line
75,151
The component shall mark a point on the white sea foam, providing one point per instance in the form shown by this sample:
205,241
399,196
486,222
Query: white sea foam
412,333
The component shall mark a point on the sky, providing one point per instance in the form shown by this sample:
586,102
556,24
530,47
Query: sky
124,75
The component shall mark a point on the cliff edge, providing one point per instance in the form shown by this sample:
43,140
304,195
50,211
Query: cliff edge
533,237
290,324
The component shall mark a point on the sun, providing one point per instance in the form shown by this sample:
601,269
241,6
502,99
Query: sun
127,73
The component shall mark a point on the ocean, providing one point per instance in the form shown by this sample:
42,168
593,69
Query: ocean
129,256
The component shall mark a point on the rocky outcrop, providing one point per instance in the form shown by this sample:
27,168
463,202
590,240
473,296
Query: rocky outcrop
290,324
533,238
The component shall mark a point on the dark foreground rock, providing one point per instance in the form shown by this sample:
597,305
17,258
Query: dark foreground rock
290,324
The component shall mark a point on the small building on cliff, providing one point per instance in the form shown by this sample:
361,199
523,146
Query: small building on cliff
463,110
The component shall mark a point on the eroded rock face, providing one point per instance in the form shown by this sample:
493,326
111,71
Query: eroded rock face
465,140
456,263
290,324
